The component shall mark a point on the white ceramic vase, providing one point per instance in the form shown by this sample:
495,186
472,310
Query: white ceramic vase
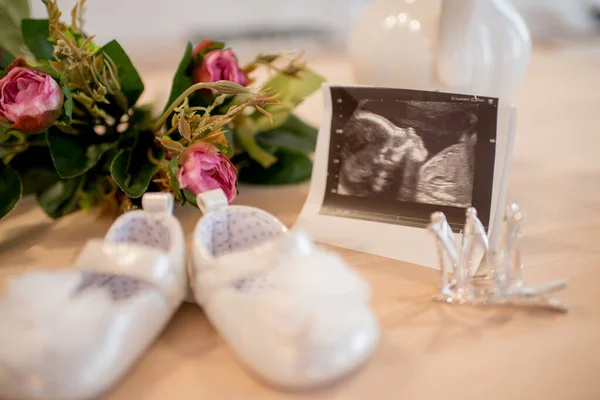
467,46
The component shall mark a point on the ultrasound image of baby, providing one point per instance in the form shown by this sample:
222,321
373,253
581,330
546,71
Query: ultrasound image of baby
447,178
380,158
377,156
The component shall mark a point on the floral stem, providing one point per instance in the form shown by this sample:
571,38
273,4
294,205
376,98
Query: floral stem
87,88
153,159
224,118
19,135
39,143
171,130
73,47
198,108
178,100
221,86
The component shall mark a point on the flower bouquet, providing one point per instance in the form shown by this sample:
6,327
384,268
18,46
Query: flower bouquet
73,134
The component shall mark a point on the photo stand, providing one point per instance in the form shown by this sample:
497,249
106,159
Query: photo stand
473,273
403,237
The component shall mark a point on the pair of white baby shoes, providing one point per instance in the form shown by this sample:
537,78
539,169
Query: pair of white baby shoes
294,314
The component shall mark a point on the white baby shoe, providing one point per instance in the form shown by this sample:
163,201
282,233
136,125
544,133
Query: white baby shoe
294,314
73,333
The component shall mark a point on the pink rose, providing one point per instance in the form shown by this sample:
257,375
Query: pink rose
29,100
218,65
203,168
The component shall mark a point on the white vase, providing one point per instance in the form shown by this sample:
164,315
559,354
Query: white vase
467,46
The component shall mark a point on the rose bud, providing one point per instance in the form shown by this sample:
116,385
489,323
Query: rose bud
29,100
203,168
204,44
217,65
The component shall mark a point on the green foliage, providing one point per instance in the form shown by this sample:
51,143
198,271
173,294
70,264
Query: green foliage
244,135
182,78
68,105
131,83
70,166
142,117
36,180
189,197
11,14
132,167
292,90
288,144
73,155
47,70
172,168
35,168
11,189
36,34
209,48
6,57
290,168
293,135
4,131
61,198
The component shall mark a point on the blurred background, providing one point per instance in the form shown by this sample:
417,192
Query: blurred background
322,27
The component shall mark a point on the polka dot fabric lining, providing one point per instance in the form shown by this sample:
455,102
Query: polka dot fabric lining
236,229
148,230
249,285
118,287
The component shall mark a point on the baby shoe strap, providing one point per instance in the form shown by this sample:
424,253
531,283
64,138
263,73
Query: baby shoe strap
211,200
293,259
158,202
130,259
252,262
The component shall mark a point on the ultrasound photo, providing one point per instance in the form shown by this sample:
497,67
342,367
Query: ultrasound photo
384,159
402,154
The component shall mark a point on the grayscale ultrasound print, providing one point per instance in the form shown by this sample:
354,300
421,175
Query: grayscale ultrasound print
401,154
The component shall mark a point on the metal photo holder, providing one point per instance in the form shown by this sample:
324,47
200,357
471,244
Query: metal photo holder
471,273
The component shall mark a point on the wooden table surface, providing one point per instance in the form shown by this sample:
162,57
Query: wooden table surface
427,350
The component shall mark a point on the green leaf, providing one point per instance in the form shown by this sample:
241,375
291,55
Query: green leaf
60,198
244,132
182,79
209,48
142,117
47,70
36,34
103,166
4,152
229,136
131,83
289,168
294,89
173,168
68,105
223,149
133,171
294,136
291,90
72,155
6,57
11,14
36,180
267,58
189,197
35,167
4,131
11,189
